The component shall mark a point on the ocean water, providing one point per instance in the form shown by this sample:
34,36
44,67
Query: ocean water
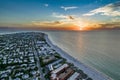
97,49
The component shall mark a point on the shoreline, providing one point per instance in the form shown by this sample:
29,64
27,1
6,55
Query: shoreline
90,71
93,73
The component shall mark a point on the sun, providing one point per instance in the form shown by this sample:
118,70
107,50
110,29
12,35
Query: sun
81,25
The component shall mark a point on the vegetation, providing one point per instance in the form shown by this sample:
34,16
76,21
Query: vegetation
84,76
89,79
47,76
57,55
3,66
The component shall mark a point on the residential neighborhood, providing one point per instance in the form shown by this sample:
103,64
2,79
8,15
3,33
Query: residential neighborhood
28,56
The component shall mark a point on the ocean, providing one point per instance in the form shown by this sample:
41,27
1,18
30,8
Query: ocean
97,49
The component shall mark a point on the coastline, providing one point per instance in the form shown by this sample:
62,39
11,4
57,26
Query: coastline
93,73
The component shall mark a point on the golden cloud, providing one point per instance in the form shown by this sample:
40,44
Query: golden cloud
46,23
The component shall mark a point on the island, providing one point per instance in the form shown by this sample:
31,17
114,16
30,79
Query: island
32,56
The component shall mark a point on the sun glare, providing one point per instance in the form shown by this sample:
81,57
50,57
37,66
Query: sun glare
81,25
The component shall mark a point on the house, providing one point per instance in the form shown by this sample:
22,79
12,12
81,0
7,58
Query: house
75,76
32,59
40,42
48,59
63,74
26,76
4,75
66,74
33,72
18,74
17,79
55,64
56,72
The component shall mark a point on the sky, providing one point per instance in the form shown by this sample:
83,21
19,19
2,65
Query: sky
60,14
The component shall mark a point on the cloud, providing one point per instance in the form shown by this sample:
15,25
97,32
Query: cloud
71,17
112,9
73,22
116,19
111,25
68,8
46,23
64,20
51,25
107,26
57,15
46,5
62,16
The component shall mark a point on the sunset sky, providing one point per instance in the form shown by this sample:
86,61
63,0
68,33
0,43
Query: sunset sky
60,14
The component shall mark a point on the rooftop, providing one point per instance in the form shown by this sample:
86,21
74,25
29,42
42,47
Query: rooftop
60,68
74,76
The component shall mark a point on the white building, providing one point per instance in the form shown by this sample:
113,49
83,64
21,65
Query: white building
74,76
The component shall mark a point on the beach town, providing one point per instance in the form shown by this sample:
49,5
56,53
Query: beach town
32,56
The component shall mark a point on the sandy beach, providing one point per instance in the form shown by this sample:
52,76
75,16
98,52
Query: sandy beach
93,73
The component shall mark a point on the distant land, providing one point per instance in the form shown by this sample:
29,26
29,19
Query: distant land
61,29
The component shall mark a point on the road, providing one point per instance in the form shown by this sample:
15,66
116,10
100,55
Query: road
38,61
